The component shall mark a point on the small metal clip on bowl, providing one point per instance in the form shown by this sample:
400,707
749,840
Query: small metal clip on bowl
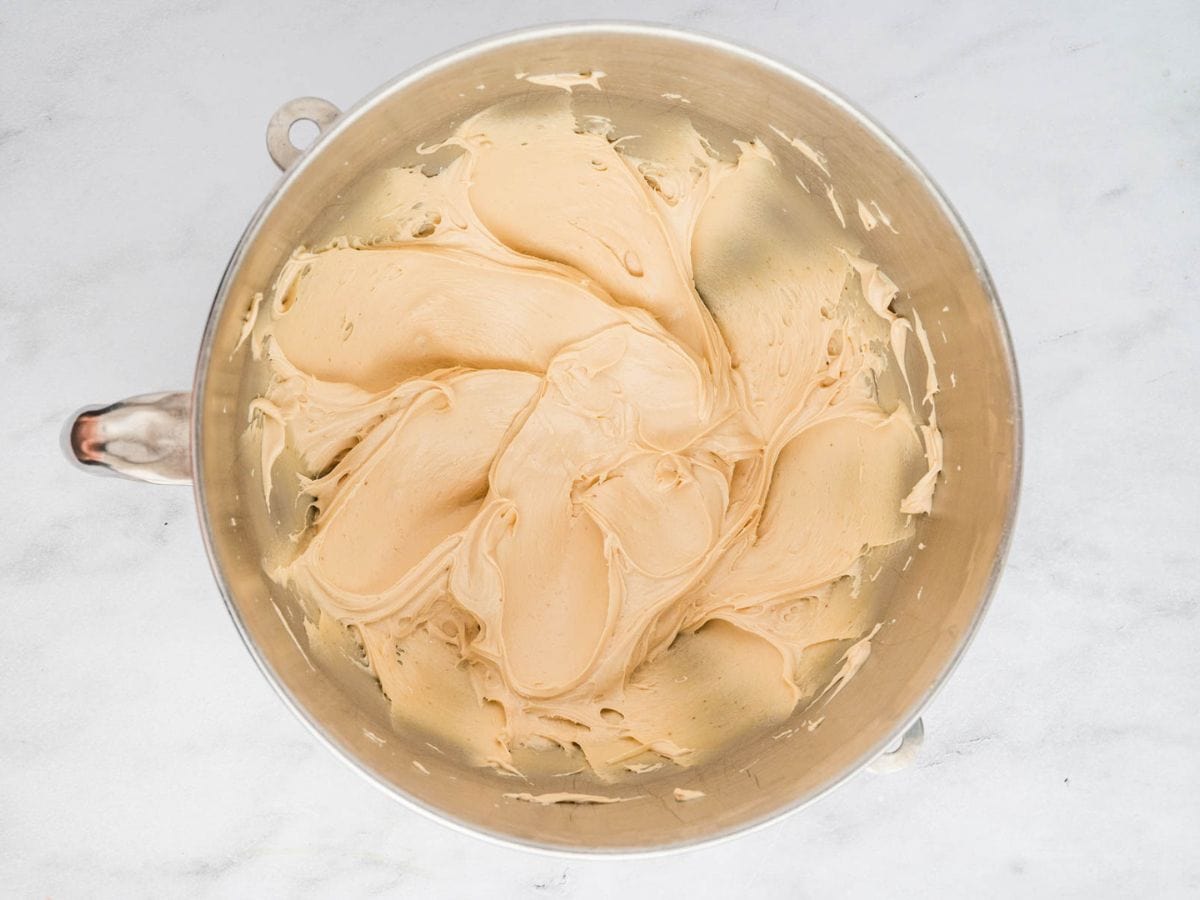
283,150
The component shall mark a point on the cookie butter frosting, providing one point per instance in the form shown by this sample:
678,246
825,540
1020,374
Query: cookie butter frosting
594,449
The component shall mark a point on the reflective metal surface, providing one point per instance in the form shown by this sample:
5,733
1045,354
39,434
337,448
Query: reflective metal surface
904,755
144,438
320,112
937,600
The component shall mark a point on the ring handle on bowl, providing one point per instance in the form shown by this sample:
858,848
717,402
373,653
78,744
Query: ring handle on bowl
904,755
279,130
145,438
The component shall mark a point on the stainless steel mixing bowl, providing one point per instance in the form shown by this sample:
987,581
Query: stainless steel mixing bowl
937,601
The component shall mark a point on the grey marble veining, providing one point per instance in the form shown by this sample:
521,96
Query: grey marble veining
142,753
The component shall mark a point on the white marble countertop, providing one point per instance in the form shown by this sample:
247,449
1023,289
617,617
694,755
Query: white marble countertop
141,752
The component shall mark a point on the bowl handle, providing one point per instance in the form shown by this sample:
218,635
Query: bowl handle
279,130
145,438
902,756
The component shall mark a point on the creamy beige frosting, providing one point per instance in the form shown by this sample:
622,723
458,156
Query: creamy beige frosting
594,448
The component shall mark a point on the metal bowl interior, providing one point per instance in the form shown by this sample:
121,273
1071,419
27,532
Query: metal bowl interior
935,603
